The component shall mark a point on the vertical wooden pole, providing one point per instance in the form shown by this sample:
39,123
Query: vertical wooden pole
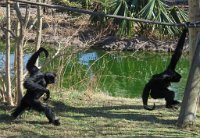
191,96
8,79
194,15
16,63
19,46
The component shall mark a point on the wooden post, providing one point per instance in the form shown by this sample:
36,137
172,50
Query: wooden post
191,96
17,94
19,45
194,15
8,79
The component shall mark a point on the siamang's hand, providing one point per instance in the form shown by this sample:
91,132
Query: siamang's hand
44,50
166,77
187,24
47,96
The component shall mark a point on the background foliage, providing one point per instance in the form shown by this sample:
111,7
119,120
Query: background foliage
156,10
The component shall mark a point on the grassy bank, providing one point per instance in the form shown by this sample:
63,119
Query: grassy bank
88,114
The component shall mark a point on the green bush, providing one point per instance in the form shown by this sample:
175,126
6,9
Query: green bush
155,10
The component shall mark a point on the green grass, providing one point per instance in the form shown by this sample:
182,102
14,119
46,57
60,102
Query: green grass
89,114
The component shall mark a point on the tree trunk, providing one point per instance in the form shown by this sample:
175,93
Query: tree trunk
20,66
8,79
194,15
20,43
17,94
191,96
3,88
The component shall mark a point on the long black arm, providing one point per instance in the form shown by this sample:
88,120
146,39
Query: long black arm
30,66
178,51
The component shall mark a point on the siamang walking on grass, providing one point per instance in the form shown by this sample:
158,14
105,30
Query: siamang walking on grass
36,85
158,85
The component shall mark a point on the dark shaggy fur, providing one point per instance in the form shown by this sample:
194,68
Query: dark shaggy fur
157,86
36,85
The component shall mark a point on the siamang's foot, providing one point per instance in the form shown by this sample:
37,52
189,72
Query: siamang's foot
13,116
56,122
176,103
173,106
169,106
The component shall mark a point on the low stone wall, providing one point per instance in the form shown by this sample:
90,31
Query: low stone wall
137,44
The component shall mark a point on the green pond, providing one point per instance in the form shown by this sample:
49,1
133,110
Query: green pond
119,73
115,73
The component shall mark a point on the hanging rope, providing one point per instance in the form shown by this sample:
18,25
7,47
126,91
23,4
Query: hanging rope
191,25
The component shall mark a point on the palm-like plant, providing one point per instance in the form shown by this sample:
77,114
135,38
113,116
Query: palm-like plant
126,8
178,14
121,7
157,10
86,3
136,5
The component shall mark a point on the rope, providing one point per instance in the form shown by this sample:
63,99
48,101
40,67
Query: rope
190,25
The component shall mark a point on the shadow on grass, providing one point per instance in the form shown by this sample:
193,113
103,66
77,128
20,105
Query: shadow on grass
5,107
112,112
36,122
5,118
107,112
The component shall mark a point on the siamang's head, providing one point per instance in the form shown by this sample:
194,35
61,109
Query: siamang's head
172,76
50,77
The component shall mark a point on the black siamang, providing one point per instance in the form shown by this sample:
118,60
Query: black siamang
158,85
36,85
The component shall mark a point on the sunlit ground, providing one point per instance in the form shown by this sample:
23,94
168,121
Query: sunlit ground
89,114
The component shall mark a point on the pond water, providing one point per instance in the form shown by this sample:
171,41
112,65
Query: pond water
123,73
12,57
115,73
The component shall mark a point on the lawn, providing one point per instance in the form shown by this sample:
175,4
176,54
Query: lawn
92,114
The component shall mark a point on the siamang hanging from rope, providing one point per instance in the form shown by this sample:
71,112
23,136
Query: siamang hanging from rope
36,85
158,85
